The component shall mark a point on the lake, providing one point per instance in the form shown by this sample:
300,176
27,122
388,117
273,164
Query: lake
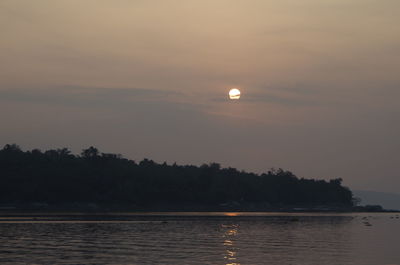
201,238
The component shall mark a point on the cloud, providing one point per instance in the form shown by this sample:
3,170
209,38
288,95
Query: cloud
86,96
283,96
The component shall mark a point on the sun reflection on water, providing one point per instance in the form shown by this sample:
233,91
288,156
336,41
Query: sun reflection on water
231,214
230,254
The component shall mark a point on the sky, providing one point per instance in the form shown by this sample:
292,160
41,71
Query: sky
320,83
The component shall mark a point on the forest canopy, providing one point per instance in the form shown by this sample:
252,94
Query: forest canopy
58,176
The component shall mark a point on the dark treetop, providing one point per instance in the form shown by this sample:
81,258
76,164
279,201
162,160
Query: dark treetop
57,176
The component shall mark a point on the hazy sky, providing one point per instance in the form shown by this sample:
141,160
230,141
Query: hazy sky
320,82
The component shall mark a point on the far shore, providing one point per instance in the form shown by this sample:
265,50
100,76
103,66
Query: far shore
109,208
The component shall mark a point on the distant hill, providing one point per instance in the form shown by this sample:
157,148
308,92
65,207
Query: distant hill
386,200
57,176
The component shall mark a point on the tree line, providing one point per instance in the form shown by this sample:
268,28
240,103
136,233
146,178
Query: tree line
58,176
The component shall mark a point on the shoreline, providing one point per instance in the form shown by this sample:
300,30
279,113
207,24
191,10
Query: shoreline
149,216
109,209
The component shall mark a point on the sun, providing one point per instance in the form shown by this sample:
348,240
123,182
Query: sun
234,93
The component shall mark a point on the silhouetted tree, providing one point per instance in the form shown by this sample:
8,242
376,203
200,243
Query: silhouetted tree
57,176
12,148
91,152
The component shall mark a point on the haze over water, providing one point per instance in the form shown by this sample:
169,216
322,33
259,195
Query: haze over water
206,238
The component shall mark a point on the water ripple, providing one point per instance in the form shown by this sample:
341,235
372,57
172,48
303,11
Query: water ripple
173,239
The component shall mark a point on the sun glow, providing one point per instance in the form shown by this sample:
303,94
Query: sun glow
234,93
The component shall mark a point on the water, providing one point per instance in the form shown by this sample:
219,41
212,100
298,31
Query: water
202,238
